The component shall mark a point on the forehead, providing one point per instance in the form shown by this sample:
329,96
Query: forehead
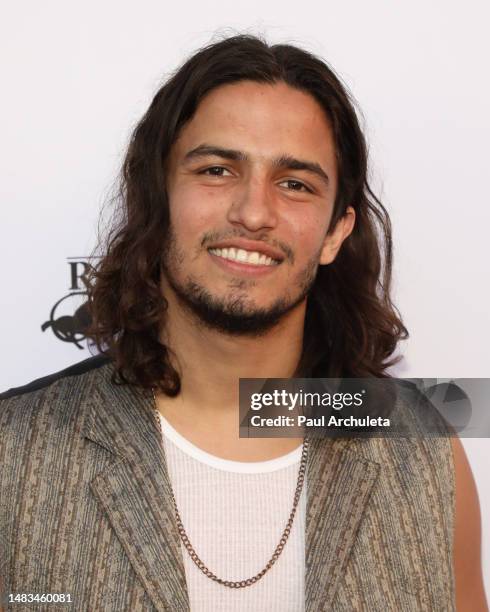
264,120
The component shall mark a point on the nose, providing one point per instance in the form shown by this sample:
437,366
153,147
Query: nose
253,206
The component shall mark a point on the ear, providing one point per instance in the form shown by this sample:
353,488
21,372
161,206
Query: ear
334,239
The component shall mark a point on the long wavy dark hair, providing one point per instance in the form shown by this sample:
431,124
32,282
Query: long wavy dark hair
351,328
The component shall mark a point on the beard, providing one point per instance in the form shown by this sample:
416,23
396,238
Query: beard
235,314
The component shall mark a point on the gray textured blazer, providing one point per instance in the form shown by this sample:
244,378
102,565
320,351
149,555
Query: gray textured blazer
85,507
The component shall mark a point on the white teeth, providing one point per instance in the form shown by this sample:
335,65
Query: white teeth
250,257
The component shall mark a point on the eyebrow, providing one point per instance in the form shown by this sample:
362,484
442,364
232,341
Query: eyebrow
286,162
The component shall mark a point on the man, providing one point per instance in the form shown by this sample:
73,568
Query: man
247,247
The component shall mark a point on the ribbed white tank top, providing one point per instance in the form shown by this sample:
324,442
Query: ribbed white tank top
234,514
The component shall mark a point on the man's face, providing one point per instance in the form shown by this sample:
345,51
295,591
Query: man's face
251,184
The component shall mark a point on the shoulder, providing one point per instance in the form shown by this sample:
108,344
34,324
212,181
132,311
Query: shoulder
415,459
417,442
81,367
417,412
51,398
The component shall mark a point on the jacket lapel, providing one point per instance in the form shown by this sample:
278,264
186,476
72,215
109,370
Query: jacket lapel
339,482
135,491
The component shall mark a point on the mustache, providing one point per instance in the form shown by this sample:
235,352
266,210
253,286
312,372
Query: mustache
211,237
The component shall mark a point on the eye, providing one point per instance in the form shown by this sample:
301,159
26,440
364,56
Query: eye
295,185
214,171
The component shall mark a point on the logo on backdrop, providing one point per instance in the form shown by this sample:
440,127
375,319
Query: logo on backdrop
69,317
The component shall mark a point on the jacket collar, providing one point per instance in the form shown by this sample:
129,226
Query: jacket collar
135,493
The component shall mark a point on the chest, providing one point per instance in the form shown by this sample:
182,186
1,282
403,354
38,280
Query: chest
235,515
103,529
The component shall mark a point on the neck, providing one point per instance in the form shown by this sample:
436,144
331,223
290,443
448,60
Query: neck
211,363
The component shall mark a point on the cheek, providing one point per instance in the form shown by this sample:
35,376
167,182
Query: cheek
308,230
193,212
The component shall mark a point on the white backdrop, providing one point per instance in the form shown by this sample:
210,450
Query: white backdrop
78,76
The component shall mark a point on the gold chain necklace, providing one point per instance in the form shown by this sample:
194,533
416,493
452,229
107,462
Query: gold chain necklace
282,542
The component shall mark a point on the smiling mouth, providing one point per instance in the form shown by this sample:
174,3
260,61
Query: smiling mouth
253,258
